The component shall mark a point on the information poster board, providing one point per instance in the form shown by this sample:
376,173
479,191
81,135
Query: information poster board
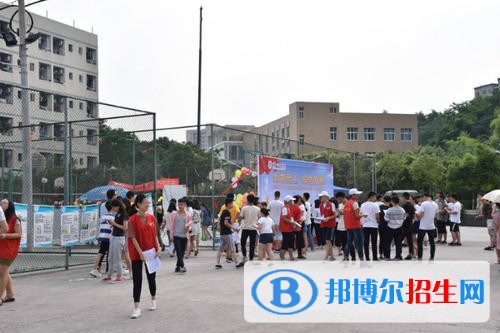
70,225
90,220
44,225
22,214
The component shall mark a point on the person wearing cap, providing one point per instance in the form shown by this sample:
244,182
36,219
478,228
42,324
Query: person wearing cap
299,215
328,222
286,226
352,221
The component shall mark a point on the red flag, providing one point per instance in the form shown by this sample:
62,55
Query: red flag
31,137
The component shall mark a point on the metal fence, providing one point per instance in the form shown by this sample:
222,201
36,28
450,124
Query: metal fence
76,144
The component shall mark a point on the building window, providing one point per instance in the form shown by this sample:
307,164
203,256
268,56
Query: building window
44,42
406,134
70,75
5,62
59,103
6,126
369,134
70,47
80,106
44,131
91,82
288,132
32,97
6,95
44,71
91,162
333,133
333,109
301,112
7,162
91,55
45,101
32,66
58,74
81,133
389,134
301,139
91,137
19,157
91,110
58,160
81,161
70,104
352,133
59,132
80,78
58,45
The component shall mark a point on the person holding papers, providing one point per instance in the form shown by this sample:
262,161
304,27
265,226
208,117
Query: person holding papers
142,238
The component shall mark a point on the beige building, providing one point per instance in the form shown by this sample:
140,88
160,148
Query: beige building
323,124
62,65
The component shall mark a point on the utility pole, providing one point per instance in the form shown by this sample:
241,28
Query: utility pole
198,128
26,121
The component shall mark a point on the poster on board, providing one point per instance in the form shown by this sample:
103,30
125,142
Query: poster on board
43,225
22,214
90,220
70,225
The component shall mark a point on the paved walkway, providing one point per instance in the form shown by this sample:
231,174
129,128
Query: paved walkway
202,300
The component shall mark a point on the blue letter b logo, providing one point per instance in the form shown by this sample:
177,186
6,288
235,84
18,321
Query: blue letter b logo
288,286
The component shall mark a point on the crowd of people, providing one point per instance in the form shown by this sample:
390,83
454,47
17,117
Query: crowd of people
340,226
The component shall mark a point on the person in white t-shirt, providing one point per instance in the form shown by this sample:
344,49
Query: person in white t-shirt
275,212
249,216
308,224
370,211
428,212
454,210
265,225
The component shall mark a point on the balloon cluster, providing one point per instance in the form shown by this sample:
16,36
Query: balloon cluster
240,174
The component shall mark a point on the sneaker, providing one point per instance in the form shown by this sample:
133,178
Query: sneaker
136,313
218,266
241,264
345,259
118,279
452,244
153,305
488,248
95,273
409,257
183,270
106,279
229,261
301,257
325,258
332,258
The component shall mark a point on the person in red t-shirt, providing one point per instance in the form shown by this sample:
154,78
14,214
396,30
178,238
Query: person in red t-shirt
10,238
352,221
287,223
142,237
328,223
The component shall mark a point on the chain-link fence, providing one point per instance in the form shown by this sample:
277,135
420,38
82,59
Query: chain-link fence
76,145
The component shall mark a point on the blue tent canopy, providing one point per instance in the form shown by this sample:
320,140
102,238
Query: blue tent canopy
99,193
340,189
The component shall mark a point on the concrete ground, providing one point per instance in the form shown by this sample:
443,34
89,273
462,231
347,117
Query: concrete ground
201,300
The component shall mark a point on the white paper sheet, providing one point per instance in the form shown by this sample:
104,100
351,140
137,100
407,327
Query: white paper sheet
153,263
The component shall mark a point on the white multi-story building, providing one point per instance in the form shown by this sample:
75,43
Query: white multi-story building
487,89
62,66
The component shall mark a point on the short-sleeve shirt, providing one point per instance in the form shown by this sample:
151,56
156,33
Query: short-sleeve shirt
275,209
285,226
410,210
429,208
144,232
2,215
249,216
225,216
267,225
371,209
456,207
235,210
119,219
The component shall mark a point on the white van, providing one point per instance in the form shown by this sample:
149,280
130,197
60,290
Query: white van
399,193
